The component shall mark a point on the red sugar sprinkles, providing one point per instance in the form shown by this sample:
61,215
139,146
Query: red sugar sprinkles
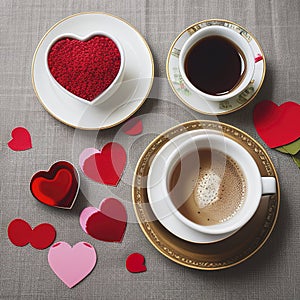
85,68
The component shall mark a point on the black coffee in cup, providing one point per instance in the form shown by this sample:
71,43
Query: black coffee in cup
215,65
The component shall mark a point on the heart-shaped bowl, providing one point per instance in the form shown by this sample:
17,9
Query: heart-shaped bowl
60,193
107,92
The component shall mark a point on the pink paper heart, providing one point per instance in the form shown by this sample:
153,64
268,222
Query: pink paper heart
134,126
105,166
72,264
21,139
135,263
277,125
108,223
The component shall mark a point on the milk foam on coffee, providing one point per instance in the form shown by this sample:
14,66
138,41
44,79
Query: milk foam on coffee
218,192
207,189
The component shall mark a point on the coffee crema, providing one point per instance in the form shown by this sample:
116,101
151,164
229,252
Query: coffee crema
215,65
217,192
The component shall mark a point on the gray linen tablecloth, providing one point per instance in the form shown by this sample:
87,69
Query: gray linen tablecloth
272,273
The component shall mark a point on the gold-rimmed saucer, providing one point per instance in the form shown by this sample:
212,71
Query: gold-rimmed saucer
224,254
132,93
189,97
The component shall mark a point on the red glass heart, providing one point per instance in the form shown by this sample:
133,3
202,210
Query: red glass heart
57,187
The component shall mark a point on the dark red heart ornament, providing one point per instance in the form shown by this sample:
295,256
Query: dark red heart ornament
108,223
105,166
57,187
135,263
277,125
20,234
85,68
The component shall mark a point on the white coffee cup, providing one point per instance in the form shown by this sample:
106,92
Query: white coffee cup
237,40
256,185
111,89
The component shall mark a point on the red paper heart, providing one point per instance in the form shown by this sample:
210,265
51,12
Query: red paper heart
135,263
85,68
20,234
277,125
21,139
133,126
106,166
57,187
108,223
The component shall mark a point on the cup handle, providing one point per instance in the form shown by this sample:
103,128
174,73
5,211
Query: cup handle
268,185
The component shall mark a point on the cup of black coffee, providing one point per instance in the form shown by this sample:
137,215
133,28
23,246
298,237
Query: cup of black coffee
217,63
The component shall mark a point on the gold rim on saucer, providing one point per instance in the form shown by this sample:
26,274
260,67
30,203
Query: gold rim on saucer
223,254
246,95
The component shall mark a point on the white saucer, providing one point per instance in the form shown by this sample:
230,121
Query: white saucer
138,77
189,97
160,207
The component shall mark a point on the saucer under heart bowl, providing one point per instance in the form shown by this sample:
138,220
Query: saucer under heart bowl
71,59
133,85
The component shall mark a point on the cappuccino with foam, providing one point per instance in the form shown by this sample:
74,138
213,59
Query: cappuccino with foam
215,194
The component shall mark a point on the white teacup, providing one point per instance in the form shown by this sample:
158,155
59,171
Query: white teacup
239,41
111,89
255,185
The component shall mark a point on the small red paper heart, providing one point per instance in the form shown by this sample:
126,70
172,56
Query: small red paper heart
135,263
20,234
277,125
85,68
106,166
108,223
133,126
21,139
57,187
